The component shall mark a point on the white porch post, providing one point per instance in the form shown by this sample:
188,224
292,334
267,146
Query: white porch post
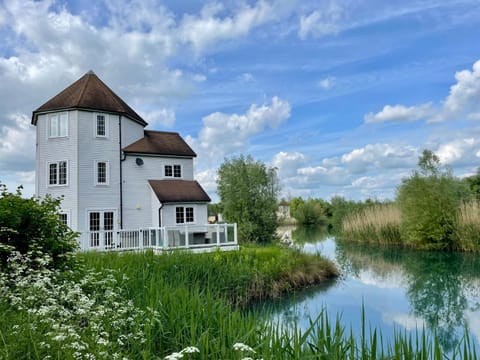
165,238
187,245
235,239
218,234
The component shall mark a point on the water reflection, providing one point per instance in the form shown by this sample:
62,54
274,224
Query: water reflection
399,289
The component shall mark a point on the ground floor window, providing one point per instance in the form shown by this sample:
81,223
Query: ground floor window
64,218
184,215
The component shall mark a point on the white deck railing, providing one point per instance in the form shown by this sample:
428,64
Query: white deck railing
198,238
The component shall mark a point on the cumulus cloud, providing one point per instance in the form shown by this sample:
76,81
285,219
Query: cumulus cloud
380,156
400,113
458,151
223,134
321,22
161,117
17,145
287,164
319,175
208,27
208,179
463,96
461,102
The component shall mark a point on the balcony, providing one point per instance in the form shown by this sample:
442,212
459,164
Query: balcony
195,238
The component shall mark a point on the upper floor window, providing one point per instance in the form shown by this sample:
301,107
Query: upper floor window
58,125
101,173
184,215
101,125
57,173
173,171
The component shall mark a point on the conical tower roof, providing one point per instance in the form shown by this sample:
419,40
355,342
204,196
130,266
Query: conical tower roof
88,93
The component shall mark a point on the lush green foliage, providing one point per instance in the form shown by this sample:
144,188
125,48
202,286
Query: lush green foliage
474,184
248,192
144,306
428,201
33,225
310,211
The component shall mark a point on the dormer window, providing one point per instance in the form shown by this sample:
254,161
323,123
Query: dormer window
173,171
58,125
101,125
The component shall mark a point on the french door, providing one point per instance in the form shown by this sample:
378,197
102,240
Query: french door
101,225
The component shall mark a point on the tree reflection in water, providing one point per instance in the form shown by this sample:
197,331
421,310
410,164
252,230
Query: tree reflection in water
438,285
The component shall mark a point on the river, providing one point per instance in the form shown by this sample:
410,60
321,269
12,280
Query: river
399,290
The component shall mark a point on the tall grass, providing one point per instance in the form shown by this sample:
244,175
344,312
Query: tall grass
467,231
378,224
382,224
143,306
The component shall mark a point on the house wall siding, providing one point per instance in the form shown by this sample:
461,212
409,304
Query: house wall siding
131,131
137,201
199,211
58,149
92,149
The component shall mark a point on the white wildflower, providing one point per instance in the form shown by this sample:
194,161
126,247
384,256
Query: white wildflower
190,350
174,356
242,347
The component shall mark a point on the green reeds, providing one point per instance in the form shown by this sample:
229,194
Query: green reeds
467,229
378,224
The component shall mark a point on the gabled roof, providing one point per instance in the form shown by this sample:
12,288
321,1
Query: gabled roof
88,93
160,143
175,191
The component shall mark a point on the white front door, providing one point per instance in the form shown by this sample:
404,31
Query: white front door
101,225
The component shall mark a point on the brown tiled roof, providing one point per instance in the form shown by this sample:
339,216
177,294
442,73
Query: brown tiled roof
174,191
161,143
89,93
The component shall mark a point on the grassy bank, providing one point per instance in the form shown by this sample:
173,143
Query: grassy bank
382,225
142,306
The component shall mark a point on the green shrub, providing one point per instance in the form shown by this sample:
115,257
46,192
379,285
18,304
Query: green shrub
32,225
428,201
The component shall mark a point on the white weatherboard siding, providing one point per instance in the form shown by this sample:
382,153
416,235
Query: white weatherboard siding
54,150
131,131
92,149
137,200
199,213
155,208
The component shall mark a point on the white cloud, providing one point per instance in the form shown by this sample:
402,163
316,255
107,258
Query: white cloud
246,77
288,163
321,22
461,102
319,175
207,28
400,113
459,151
17,145
199,78
326,83
463,96
223,134
161,117
208,180
380,156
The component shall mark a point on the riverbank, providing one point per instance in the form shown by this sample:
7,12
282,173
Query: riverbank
144,306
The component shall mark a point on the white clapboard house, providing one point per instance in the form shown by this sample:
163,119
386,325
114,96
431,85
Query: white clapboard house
123,187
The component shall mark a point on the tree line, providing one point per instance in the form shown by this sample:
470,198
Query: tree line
428,201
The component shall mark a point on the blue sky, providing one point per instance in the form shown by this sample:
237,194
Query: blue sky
340,96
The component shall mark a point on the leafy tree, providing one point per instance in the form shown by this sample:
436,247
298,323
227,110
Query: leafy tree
474,184
32,225
310,212
428,201
248,192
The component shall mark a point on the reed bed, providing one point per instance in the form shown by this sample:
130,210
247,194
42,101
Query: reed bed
467,231
378,224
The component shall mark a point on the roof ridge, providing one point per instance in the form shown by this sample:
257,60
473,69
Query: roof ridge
162,132
80,97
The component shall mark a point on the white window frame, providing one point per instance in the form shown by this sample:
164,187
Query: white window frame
67,214
173,171
57,183
107,173
184,211
95,125
56,130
